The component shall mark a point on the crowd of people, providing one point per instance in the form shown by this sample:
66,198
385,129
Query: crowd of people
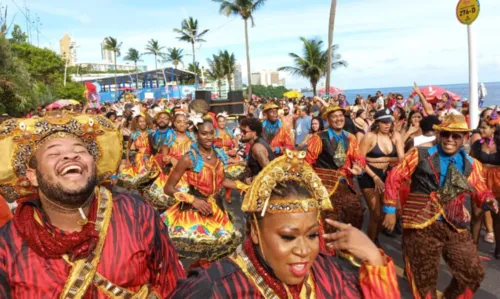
132,199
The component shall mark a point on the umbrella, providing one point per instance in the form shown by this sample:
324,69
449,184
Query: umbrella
333,90
434,93
61,103
292,94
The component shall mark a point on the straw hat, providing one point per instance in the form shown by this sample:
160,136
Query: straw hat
20,138
270,106
325,111
453,123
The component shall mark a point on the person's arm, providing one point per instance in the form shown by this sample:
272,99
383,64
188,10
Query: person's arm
364,147
314,148
396,177
398,141
176,174
354,153
259,152
127,154
163,262
427,106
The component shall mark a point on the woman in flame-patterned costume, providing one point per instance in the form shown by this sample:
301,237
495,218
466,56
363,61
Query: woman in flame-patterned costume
281,257
197,226
178,143
143,168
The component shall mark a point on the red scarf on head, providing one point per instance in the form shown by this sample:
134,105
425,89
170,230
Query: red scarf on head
269,278
46,240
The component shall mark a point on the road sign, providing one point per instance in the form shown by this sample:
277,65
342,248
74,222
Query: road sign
467,11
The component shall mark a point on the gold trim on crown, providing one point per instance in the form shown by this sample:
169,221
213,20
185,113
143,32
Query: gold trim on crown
289,167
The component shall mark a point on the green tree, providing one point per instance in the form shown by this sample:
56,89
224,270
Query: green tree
269,91
18,36
174,55
189,33
111,44
17,91
72,90
331,26
314,64
195,68
216,71
134,56
245,9
153,48
229,64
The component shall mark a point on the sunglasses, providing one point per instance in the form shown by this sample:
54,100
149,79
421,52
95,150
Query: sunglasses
399,99
454,136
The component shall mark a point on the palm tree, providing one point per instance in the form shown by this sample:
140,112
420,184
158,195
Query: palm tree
314,64
111,44
195,68
331,26
229,64
245,9
174,55
153,48
135,56
189,33
216,71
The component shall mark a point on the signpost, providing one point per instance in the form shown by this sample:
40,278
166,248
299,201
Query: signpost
467,13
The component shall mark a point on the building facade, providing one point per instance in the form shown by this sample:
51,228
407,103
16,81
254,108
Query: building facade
107,56
267,78
110,67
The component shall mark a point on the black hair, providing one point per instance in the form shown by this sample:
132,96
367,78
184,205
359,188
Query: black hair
321,124
359,112
241,117
111,113
402,113
413,112
253,124
205,121
32,163
373,110
428,122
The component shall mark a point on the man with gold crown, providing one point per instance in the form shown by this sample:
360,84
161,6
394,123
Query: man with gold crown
280,257
335,156
70,237
434,218
276,135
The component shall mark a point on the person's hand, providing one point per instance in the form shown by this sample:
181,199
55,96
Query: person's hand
174,161
166,158
415,87
356,169
379,185
467,216
202,206
127,163
389,222
350,239
492,204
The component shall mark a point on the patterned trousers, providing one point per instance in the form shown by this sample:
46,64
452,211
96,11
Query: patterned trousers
423,251
347,208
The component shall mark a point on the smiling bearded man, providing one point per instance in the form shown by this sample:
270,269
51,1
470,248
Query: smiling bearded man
69,237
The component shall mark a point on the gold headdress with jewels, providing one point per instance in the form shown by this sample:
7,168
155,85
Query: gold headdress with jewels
20,138
289,167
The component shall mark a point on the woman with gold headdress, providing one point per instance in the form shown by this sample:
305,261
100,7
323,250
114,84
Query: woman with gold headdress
198,227
178,143
281,257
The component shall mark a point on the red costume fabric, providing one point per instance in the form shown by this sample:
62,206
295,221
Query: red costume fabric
137,251
5,214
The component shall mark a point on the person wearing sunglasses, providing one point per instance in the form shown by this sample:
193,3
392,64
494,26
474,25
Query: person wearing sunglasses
434,217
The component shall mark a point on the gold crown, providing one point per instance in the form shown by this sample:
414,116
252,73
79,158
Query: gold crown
19,139
289,167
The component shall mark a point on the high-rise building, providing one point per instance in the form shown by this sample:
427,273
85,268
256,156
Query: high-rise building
107,55
67,50
237,77
266,78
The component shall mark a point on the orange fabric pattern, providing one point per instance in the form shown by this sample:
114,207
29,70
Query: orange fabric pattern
209,180
223,140
477,180
314,147
179,148
379,281
398,175
283,140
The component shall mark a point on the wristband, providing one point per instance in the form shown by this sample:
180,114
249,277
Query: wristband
277,150
389,210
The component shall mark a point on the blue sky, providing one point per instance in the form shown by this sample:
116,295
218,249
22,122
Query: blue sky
386,42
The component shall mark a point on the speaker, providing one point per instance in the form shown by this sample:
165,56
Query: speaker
235,96
203,95
228,106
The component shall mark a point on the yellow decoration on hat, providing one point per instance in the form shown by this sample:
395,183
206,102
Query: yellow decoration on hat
453,123
20,138
289,167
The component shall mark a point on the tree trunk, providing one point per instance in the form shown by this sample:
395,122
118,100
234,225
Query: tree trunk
136,76
156,63
331,26
229,82
116,81
249,72
194,59
314,84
